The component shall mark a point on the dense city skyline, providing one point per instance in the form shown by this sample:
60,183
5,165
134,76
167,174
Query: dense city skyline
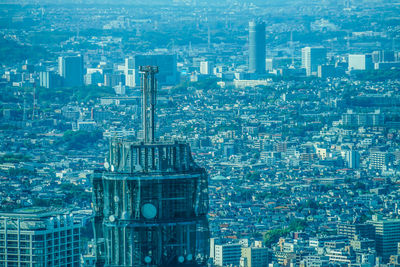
200,133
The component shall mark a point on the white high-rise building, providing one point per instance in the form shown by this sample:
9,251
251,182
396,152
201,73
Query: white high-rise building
129,72
360,62
206,67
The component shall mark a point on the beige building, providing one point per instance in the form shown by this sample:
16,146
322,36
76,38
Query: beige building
254,257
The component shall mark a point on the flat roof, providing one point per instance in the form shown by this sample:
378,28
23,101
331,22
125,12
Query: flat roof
32,212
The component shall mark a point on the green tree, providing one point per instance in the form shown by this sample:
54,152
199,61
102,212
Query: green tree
272,236
80,139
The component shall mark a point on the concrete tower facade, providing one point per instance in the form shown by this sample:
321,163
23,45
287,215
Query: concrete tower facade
256,47
151,202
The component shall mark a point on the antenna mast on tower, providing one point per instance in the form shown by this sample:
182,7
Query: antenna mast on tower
149,100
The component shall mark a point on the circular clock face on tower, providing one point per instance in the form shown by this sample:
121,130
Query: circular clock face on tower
149,211
147,259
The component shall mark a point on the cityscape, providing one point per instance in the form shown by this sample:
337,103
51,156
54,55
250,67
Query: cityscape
200,133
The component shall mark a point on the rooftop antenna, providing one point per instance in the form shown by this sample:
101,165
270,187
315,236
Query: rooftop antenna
149,100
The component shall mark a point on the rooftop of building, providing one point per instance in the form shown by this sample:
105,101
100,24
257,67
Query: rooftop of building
35,219
32,212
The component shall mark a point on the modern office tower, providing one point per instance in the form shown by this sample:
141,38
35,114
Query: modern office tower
277,62
49,79
383,56
360,62
129,72
385,60
269,64
350,230
257,47
168,72
227,254
255,256
114,79
151,202
94,78
39,237
70,69
353,159
206,68
387,56
387,236
311,58
325,71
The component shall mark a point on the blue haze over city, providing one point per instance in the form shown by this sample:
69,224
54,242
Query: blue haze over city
200,133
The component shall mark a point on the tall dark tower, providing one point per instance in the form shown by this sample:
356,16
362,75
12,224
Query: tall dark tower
71,70
151,202
257,47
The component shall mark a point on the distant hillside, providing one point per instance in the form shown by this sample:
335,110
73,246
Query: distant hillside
11,52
